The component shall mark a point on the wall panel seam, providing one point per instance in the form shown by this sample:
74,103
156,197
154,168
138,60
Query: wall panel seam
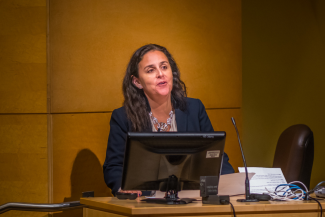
23,114
60,113
98,112
223,108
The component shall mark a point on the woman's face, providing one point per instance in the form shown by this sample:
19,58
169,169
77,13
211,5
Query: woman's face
155,75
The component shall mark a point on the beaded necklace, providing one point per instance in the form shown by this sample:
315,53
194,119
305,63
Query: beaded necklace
161,126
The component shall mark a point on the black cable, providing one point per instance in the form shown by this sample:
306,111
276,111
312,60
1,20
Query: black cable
320,205
233,209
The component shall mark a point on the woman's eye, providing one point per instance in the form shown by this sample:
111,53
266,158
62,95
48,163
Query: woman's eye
150,70
164,67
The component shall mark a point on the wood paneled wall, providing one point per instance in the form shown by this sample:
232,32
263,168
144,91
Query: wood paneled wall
284,64
89,45
23,104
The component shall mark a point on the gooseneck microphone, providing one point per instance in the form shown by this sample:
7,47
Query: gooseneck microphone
249,198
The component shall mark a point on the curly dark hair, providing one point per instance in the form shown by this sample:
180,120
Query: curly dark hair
135,101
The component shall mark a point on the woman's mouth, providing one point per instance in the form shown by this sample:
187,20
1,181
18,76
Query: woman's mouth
162,83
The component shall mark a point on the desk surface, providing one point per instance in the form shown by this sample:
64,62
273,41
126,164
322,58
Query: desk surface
136,207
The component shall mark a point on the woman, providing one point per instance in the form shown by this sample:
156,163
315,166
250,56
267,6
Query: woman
154,100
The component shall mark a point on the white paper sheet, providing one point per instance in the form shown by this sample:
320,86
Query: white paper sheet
230,184
264,178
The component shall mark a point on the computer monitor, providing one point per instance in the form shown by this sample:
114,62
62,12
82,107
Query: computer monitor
171,161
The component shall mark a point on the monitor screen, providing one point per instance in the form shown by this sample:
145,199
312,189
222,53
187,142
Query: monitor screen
171,160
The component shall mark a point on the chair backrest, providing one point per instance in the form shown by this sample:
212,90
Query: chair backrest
294,153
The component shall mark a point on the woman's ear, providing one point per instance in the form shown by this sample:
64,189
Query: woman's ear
136,82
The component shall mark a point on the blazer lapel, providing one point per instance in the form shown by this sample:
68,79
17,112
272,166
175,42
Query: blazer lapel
181,120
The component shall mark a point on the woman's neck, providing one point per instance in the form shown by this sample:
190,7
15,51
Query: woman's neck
161,108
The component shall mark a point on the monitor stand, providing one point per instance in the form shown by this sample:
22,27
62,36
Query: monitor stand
171,197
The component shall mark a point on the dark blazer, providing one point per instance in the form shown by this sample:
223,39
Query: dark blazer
194,119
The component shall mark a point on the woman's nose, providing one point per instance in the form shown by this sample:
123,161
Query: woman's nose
160,73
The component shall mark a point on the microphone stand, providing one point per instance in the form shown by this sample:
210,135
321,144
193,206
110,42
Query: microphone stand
248,197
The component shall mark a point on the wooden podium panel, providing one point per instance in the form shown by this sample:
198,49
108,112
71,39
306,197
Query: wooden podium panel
112,207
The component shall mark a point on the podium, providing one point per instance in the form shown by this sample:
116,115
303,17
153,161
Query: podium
113,207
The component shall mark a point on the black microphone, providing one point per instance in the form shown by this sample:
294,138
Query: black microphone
249,198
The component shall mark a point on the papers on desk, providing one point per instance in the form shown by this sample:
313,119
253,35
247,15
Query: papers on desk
233,184
264,178
230,184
